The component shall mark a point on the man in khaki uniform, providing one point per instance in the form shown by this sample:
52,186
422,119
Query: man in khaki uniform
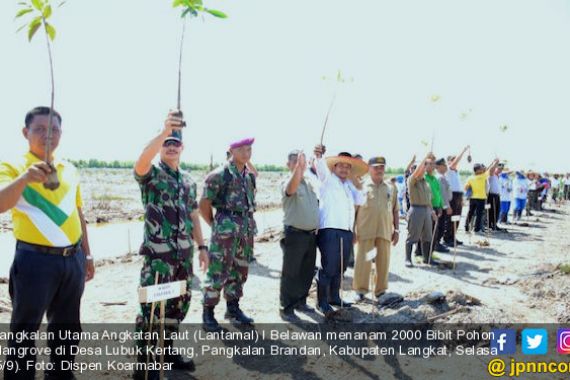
421,213
376,227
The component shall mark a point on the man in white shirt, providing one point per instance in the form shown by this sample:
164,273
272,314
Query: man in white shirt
338,197
456,203
494,198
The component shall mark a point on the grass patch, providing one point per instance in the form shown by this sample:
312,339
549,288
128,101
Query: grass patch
565,268
109,198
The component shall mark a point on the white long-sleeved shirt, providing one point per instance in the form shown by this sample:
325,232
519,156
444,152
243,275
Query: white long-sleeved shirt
454,181
520,188
337,199
506,188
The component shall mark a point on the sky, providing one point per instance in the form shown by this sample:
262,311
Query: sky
260,73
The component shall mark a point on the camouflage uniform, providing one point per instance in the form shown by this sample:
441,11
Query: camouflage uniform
231,247
169,198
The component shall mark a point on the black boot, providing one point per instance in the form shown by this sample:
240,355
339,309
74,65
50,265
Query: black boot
323,302
178,361
138,374
209,322
236,315
409,249
426,246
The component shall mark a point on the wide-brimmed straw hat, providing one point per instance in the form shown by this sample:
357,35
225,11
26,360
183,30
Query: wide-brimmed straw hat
358,167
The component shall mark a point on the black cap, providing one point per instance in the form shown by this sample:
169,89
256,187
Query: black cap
441,161
376,161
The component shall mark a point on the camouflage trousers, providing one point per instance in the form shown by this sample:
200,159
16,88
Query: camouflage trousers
229,264
170,268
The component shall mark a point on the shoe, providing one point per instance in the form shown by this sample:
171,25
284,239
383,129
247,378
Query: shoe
178,361
441,248
409,264
339,302
138,374
378,296
304,308
451,244
433,263
322,300
235,314
359,297
209,322
288,315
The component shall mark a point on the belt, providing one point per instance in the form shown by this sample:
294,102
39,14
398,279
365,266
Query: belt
237,213
59,251
293,229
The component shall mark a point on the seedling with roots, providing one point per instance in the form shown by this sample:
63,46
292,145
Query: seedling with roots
190,8
41,12
338,80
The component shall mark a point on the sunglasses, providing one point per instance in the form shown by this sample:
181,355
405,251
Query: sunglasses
174,143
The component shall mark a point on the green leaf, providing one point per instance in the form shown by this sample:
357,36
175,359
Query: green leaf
33,28
50,30
38,4
216,13
23,12
192,11
47,11
21,27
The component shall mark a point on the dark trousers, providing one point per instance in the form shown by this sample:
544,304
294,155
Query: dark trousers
42,283
299,255
456,204
567,192
495,201
476,210
328,241
442,222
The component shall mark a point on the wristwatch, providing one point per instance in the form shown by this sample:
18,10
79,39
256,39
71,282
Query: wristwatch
202,247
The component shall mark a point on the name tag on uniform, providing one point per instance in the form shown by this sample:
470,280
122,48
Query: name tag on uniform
487,206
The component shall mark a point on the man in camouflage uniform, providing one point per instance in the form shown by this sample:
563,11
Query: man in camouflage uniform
230,189
171,222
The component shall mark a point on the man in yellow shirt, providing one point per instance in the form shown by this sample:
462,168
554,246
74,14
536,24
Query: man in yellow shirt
52,259
478,185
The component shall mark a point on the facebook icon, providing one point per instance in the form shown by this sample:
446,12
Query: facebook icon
504,342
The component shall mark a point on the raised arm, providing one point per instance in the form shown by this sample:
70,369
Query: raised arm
297,176
173,122
493,166
455,163
421,168
323,171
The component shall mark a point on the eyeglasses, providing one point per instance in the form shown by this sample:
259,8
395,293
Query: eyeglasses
174,143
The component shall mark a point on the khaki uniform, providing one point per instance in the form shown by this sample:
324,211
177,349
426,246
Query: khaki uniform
374,227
